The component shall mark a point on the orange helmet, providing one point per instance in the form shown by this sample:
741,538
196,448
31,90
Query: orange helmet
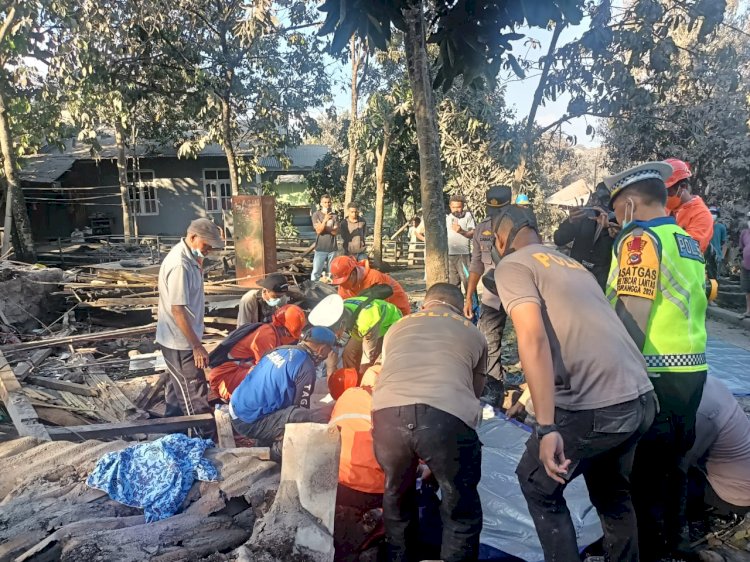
341,268
291,317
680,171
341,380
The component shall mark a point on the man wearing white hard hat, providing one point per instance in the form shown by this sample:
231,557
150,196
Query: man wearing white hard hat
365,318
657,286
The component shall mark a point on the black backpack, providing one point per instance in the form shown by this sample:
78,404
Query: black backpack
221,353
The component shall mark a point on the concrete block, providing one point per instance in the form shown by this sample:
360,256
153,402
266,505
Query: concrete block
305,503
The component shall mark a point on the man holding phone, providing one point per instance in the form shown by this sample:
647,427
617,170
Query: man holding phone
588,229
326,225
592,397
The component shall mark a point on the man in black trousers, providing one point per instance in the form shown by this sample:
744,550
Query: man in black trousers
426,406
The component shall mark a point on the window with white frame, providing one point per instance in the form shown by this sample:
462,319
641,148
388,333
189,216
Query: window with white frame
217,190
142,192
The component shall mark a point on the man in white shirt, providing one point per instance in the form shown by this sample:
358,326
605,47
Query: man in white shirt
179,324
461,225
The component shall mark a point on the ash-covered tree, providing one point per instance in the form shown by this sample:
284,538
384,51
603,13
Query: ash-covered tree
28,115
473,40
701,118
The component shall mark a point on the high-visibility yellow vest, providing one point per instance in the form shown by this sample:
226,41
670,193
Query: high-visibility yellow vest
659,261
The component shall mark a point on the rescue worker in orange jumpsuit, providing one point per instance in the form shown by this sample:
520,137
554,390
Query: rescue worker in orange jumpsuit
285,328
689,211
353,277
361,480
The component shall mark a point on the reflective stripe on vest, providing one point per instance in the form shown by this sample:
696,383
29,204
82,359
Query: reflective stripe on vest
676,331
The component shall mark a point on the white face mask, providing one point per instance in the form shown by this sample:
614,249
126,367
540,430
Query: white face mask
625,220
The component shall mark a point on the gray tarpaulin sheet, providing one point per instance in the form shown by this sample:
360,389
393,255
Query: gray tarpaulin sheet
729,363
507,524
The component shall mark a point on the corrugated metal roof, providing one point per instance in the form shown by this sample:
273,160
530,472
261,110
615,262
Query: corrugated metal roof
573,195
45,168
49,165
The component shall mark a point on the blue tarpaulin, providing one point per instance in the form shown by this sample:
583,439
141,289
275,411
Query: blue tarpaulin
508,527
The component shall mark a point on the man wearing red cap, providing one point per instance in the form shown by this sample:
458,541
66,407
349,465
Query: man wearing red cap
689,211
353,277
285,329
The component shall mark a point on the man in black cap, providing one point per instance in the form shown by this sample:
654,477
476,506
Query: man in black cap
588,383
492,316
259,306
588,228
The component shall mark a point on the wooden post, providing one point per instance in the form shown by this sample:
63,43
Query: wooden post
224,431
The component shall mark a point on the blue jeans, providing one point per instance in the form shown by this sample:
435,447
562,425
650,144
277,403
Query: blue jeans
321,262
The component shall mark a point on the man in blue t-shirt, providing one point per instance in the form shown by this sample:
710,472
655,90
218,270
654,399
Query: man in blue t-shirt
278,390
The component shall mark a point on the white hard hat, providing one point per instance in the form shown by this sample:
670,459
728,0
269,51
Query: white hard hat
327,312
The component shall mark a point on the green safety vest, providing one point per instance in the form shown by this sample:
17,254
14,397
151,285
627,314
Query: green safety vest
665,265
378,314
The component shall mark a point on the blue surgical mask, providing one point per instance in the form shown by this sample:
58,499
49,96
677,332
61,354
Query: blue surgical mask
198,254
273,302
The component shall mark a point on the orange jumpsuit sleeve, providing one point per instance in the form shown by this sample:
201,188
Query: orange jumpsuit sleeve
399,297
699,224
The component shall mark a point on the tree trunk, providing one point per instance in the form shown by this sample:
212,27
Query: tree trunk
122,179
377,235
528,139
23,239
226,133
431,179
352,133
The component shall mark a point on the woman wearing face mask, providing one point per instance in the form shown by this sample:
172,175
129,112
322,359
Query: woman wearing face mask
259,305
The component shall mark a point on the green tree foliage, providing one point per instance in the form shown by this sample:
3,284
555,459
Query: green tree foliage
28,38
261,68
114,70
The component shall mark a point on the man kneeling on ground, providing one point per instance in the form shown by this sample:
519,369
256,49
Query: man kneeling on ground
254,342
592,397
279,391
719,462
361,480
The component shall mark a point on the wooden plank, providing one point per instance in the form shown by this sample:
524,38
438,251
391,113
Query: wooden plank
224,431
67,386
110,393
150,392
59,407
22,413
112,430
23,369
34,395
94,336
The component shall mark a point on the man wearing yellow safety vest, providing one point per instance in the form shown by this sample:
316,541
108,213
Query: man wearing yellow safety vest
657,287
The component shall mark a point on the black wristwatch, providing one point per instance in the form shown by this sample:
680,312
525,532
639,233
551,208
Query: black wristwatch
542,430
